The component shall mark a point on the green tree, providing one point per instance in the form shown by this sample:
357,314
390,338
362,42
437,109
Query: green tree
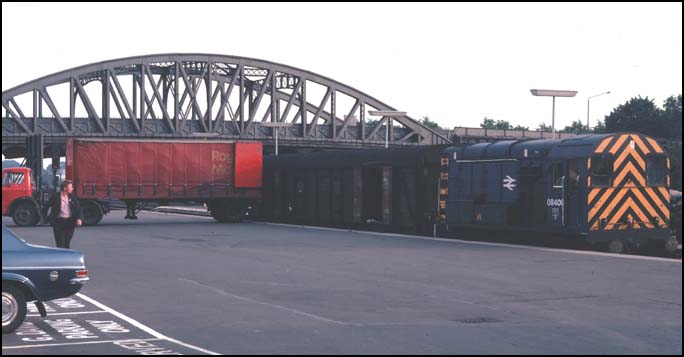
499,124
672,116
600,127
487,123
638,115
543,127
575,128
429,123
520,127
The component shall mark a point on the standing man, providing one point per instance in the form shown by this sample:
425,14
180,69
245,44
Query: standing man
65,214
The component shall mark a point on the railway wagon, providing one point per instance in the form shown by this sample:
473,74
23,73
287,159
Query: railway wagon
610,190
393,189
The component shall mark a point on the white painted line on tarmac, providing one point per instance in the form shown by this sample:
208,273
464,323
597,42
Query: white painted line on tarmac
77,343
504,245
143,327
69,313
250,300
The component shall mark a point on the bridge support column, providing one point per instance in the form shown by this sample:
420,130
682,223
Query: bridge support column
357,191
277,201
387,195
55,166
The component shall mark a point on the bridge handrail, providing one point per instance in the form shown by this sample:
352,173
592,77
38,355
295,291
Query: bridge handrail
508,133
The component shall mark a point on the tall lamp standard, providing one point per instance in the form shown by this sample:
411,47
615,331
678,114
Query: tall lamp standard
554,94
596,95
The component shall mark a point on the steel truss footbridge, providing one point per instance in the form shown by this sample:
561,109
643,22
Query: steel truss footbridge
195,96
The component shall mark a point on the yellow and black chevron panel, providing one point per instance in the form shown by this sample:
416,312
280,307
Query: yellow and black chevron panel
628,202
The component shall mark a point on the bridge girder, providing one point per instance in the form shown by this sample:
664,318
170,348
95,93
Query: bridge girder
202,95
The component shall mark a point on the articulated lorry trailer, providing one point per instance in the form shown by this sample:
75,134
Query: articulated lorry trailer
224,175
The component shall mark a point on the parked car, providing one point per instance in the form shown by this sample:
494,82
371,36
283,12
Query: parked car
36,274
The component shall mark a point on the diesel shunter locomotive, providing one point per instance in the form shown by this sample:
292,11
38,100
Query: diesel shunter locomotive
610,190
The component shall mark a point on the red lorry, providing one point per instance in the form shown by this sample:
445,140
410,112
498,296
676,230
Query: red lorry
225,175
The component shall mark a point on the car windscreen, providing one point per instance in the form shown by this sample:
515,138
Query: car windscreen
10,241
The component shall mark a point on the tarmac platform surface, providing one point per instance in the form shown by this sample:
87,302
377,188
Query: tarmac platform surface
182,284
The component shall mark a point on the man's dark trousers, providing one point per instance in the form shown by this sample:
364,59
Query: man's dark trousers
64,231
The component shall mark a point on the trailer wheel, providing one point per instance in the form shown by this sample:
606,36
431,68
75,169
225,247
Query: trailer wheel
235,213
616,246
225,212
25,214
92,213
13,308
218,216
226,216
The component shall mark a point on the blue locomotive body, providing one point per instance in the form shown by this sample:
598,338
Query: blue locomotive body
610,188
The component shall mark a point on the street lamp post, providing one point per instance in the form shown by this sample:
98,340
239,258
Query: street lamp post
276,130
596,95
389,114
554,94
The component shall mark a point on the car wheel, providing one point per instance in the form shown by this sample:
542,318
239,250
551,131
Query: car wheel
13,308
25,214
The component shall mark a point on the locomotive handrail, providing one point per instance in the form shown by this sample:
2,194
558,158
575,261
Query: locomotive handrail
563,201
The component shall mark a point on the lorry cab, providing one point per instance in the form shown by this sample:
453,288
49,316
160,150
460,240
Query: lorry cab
17,196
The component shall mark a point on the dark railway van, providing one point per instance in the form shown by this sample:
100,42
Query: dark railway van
610,190
392,189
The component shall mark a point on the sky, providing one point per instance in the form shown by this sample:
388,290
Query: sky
456,63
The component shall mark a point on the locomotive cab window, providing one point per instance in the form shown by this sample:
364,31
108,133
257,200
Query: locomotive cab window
601,171
656,170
